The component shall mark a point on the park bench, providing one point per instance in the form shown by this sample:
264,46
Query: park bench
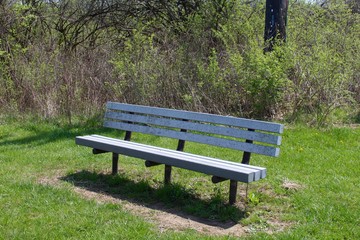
246,135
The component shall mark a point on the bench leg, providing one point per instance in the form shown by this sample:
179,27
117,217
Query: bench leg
167,178
233,191
115,161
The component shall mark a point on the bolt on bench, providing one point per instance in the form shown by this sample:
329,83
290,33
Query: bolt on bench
248,136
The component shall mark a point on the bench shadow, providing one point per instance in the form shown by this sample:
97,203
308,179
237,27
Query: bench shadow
172,198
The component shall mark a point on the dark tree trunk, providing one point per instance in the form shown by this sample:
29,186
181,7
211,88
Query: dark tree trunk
275,22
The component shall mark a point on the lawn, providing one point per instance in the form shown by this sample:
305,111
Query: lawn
52,189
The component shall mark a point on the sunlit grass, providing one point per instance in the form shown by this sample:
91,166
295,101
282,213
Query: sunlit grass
321,164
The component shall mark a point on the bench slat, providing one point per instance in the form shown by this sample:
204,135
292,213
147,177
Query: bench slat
261,169
127,148
195,126
225,169
203,117
242,146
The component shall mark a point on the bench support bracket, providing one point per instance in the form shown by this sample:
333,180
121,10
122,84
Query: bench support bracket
115,162
247,155
151,164
98,151
180,147
216,179
167,178
233,191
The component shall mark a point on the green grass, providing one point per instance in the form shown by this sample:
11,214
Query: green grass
324,163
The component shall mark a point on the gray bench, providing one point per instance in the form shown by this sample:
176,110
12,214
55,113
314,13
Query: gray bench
248,136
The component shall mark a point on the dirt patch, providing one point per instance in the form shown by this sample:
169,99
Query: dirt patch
162,217
290,185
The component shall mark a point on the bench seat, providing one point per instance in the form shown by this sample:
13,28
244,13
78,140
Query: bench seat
212,166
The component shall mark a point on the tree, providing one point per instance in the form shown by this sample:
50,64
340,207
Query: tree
275,22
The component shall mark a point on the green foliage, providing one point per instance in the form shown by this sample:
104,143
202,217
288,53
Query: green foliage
265,81
324,66
212,84
137,66
253,199
68,58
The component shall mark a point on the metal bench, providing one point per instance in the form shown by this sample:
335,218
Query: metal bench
249,136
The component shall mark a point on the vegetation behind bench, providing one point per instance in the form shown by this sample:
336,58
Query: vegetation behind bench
249,136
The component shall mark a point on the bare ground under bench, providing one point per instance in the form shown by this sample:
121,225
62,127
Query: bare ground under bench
161,216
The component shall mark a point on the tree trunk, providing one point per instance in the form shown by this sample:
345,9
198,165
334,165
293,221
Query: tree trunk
275,23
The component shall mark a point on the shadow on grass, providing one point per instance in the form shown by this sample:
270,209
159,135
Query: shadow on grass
172,198
40,132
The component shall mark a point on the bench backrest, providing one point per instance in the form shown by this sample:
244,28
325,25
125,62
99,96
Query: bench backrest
246,135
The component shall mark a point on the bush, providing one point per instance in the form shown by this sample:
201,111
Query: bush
60,61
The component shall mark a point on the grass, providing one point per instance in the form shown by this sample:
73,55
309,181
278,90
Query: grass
313,188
